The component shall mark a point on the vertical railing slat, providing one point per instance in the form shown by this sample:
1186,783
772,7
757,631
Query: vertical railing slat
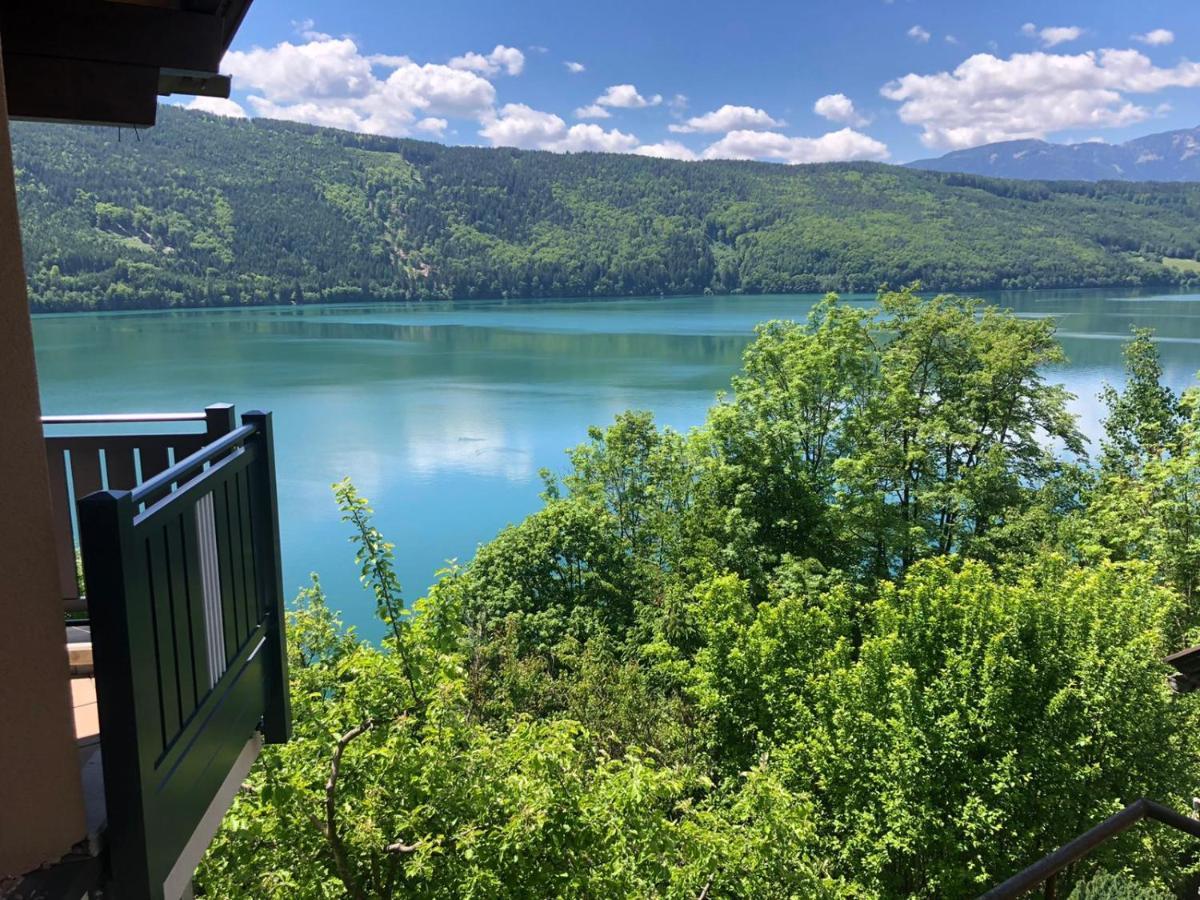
240,540
210,575
193,580
164,636
225,570
185,662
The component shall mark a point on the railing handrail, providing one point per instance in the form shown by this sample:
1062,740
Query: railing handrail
123,418
1053,863
179,472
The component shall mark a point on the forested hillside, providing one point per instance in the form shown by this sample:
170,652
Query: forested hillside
209,211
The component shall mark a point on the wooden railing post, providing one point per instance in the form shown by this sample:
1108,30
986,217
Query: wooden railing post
120,630
219,420
277,717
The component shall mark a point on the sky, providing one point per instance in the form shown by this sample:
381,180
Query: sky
791,82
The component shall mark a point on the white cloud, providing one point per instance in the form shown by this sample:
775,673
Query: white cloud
433,126
951,39
501,59
1030,95
1053,35
217,106
626,96
288,73
592,111
678,103
728,118
1156,38
835,146
575,67
580,138
839,108
519,125
666,150
918,34
329,82
307,29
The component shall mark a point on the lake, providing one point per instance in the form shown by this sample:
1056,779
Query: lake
443,413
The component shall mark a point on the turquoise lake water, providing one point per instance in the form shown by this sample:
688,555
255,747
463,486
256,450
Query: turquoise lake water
444,413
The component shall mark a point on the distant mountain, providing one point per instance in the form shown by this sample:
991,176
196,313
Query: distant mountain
1169,156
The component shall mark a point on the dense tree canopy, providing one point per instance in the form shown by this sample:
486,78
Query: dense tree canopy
202,211
863,634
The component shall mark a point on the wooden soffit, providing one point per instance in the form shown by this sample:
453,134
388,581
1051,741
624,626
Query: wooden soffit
107,61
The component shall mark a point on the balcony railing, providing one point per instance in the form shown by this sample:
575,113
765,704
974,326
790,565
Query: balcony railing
1046,870
179,536
115,452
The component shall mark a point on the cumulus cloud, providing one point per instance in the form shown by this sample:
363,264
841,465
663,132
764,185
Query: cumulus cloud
307,29
217,106
575,67
592,111
580,138
501,59
667,150
329,82
839,108
433,126
1030,95
519,125
919,34
626,96
1157,38
1053,35
835,146
728,118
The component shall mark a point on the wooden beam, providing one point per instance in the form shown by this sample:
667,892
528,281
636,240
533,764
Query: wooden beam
74,90
102,31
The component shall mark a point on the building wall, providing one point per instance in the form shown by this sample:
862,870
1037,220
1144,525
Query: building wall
41,801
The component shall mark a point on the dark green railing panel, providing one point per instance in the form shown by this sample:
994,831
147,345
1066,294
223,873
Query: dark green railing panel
183,580
81,464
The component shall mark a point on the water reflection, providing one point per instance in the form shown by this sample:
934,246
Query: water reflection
443,413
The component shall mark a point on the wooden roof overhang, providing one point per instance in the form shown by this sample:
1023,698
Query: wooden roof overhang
107,61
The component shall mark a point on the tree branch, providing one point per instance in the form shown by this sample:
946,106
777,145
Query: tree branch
329,828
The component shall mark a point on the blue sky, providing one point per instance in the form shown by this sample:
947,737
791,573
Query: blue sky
786,81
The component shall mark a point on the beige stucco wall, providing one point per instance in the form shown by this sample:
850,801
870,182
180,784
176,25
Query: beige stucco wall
41,802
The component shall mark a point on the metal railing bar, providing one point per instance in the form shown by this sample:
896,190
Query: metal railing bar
197,484
1051,864
179,472
123,418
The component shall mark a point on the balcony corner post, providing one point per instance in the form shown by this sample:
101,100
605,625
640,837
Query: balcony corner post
105,537
277,717
219,420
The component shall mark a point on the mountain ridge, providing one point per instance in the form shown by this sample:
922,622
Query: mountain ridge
1165,156
205,211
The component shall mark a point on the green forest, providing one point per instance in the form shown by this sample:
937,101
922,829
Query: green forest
206,211
884,626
